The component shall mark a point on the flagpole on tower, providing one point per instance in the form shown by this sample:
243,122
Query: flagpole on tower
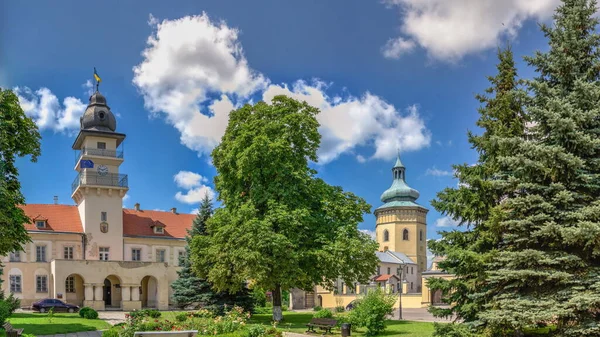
97,78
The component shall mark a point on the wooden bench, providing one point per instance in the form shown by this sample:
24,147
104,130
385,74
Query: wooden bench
325,324
12,332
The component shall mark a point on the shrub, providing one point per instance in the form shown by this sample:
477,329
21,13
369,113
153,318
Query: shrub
340,309
14,302
87,312
112,332
317,308
259,297
323,313
182,317
372,310
153,313
262,310
4,311
255,331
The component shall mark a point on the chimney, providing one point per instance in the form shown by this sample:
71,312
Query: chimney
56,199
137,206
174,210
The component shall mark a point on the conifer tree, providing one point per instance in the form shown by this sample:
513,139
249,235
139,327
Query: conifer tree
468,251
189,288
547,269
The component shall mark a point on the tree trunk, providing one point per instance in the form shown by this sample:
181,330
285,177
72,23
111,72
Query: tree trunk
277,312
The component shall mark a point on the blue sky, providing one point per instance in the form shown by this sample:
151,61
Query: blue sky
398,73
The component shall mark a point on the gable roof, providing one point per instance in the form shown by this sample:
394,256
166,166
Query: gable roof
384,277
393,257
140,223
59,218
65,218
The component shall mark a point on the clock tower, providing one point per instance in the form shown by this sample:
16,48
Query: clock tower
99,188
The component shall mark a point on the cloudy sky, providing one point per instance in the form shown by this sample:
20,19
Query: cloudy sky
387,75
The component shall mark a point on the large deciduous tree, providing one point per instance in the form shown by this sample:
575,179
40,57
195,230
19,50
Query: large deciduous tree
281,227
481,189
19,137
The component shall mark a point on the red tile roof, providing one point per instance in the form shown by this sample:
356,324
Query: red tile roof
60,218
65,218
140,223
383,277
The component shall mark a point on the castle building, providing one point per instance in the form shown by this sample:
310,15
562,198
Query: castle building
401,231
96,253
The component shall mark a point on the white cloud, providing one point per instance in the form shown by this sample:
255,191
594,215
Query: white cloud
451,29
446,222
195,186
89,87
369,232
187,60
195,195
194,73
187,179
438,173
360,158
353,121
47,112
397,47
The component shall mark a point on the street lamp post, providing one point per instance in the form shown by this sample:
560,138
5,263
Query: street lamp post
401,288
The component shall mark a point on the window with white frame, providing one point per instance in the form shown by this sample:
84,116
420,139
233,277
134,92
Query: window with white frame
40,253
159,229
15,283
136,254
104,253
41,284
40,224
15,256
70,284
389,270
412,271
68,253
160,255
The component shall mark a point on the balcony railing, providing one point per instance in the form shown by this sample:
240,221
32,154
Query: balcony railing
99,152
95,179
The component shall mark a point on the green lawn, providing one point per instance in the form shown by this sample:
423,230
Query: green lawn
296,322
38,324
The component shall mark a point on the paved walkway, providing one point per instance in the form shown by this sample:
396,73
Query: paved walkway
78,334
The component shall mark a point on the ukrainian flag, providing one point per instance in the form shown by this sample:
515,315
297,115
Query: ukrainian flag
98,79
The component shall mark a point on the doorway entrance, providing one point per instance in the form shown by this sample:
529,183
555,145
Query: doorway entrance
107,292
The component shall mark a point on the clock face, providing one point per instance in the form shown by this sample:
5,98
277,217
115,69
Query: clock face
102,170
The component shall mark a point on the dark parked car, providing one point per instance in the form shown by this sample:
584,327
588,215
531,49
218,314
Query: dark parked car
351,305
58,305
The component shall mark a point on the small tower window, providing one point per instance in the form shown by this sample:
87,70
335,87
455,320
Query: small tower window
421,235
101,146
103,216
405,234
386,235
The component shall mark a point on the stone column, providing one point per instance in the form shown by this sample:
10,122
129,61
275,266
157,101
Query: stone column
125,293
135,293
88,295
99,292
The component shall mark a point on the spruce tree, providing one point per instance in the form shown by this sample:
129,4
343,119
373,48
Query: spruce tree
468,251
189,289
547,270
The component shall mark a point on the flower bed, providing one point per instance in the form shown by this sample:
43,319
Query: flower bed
202,320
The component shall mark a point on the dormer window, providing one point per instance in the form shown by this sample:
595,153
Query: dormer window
40,224
159,230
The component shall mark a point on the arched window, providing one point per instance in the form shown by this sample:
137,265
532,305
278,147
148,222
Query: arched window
421,235
386,235
405,234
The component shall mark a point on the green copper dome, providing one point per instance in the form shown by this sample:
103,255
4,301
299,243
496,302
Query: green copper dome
399,191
